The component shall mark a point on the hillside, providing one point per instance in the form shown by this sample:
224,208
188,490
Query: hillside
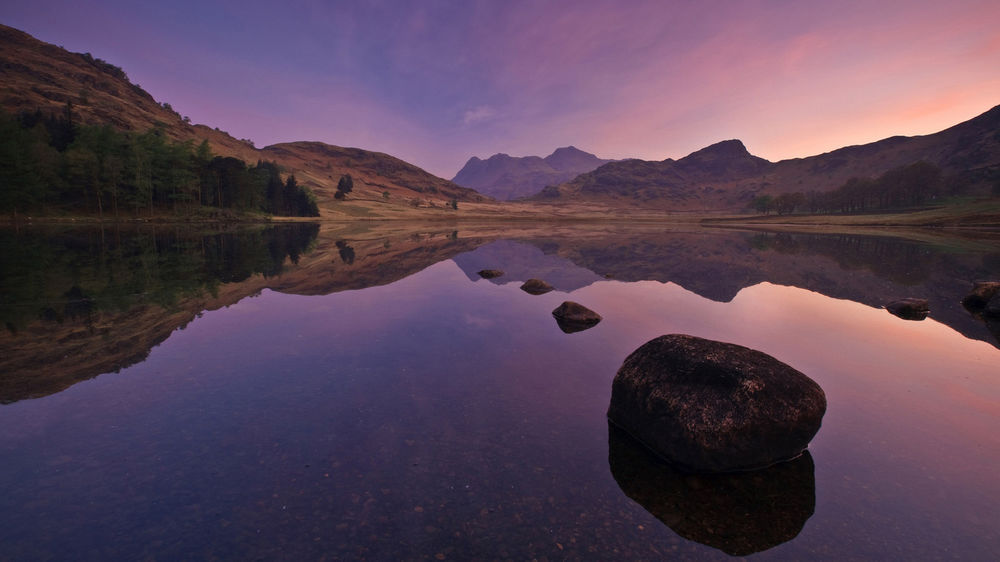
35,75
507,177
725,176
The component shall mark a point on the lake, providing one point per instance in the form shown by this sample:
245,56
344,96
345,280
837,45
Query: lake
310,392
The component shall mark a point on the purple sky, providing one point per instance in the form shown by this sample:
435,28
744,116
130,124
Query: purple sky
437,82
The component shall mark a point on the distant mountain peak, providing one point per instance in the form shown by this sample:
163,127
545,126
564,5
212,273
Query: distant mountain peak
727,148
568,150
508,177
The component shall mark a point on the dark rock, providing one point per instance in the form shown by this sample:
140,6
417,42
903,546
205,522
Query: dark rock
574,317
909,309
739,513
490,273
992,309
536,287
993,325
981,294
708,406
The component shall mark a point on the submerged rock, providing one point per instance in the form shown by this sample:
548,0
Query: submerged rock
490,273
992,309
574,317
739,513
993,325
981,294
909,308
708,406
536,287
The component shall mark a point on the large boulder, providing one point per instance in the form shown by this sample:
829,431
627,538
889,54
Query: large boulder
536,287
981,294
739,513
909,308
490,273
574,317
708,406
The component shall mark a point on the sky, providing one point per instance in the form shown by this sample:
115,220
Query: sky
436,82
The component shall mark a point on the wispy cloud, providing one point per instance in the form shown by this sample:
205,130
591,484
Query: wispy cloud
478,114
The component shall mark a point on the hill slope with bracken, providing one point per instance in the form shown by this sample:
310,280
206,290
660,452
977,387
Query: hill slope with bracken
35,75
509,177
725,176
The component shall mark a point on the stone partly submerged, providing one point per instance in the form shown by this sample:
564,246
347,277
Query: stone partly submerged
490,273
536,287
574,317
708,406
992,308
983,302
909,308
739,513
981,294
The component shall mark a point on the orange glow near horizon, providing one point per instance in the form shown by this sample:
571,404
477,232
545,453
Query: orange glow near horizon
435,85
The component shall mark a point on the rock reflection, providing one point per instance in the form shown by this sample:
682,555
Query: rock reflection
738,513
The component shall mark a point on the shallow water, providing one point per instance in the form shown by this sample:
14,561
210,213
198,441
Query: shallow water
385,403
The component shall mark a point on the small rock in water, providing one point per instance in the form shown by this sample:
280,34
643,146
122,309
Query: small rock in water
536,287
981,294
574,317
490,273
909,308
992,309
709,406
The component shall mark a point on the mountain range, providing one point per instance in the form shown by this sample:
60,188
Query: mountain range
725,176
507,177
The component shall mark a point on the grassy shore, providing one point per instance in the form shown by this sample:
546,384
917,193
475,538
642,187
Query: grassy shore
984,213
978,214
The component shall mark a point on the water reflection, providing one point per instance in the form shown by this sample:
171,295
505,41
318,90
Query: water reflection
392,407
80,302
738,513
866,268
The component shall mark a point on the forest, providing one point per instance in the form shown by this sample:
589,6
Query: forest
51,164
903,187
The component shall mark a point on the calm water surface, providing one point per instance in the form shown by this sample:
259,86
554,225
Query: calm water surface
311,393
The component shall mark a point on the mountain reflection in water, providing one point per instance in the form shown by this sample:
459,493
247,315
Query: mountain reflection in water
72,294
358,391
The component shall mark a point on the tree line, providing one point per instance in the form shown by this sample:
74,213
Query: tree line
49,162
906,186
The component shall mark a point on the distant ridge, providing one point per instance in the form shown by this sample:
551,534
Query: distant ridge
508,177
725,176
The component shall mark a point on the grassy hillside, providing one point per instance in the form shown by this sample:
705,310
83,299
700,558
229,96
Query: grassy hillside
35,75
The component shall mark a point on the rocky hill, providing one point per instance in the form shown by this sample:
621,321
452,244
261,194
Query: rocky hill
510,177
35,75
725,176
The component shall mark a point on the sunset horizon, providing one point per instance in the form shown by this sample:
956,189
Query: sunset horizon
437,85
